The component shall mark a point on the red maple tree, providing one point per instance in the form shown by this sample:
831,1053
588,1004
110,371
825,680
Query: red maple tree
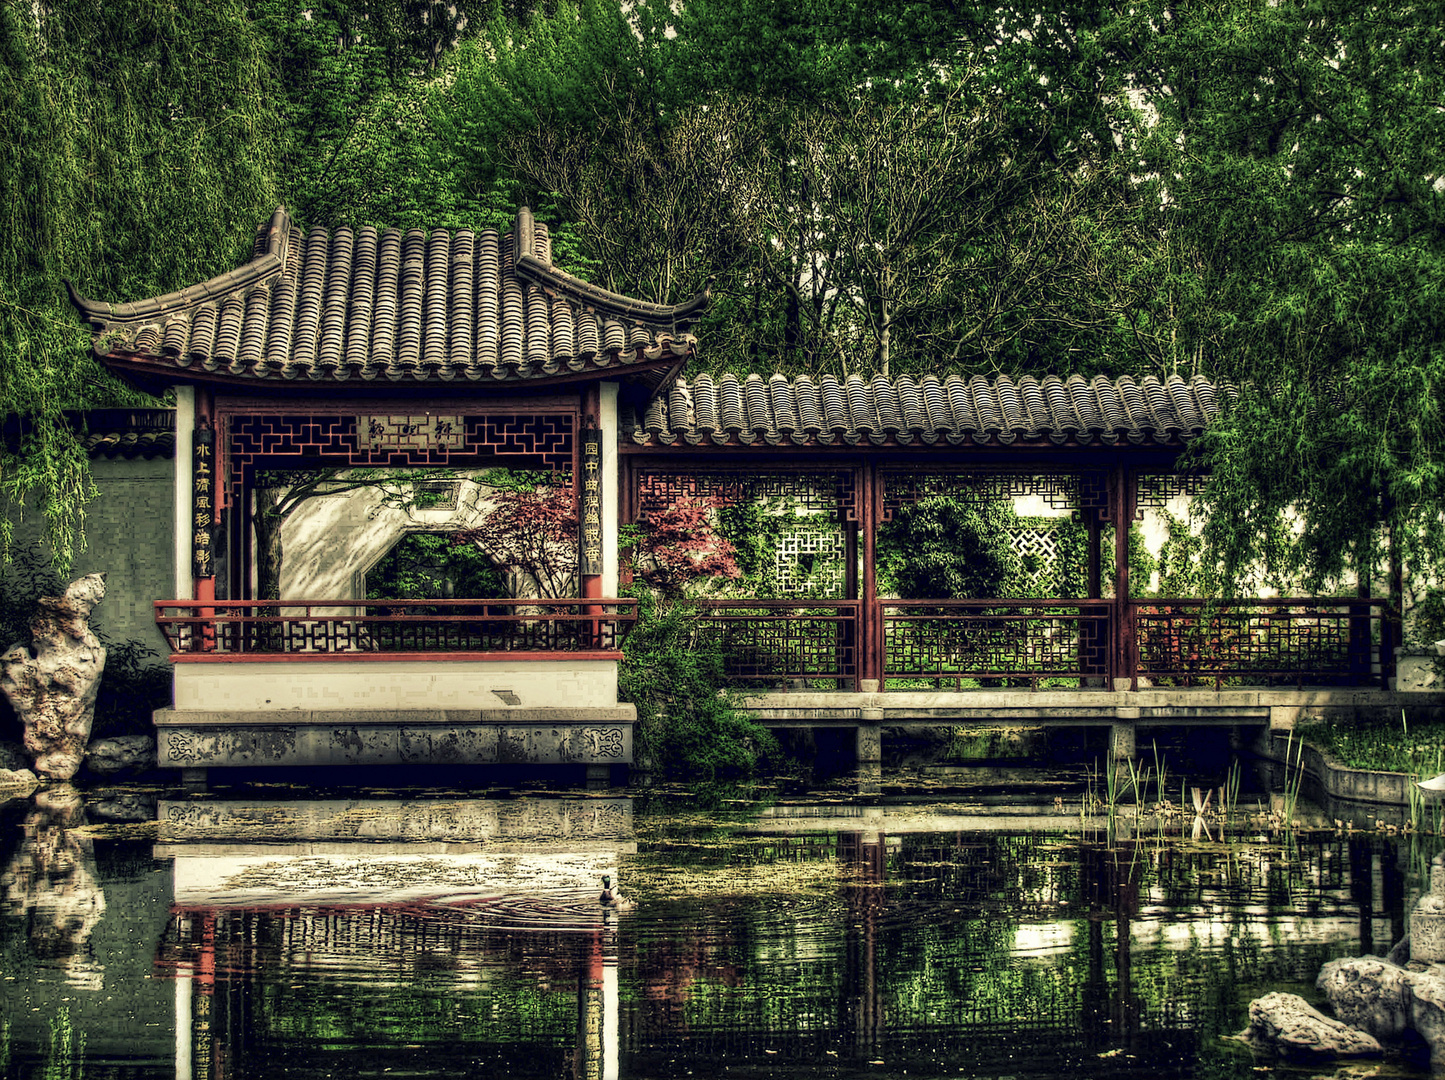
533,531
679,544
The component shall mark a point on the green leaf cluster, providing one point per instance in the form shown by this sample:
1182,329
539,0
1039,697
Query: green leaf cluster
689,726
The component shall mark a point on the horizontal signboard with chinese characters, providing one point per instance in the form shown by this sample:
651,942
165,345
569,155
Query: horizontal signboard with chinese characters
423,432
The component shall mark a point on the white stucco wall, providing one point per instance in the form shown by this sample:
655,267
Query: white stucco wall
567,683
330,542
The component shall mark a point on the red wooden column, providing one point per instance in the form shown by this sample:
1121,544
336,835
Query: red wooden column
1123,504
869,496
206,483
588,481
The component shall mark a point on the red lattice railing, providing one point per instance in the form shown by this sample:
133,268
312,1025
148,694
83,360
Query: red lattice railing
1280,641
951,643
367,628
774,643
768,642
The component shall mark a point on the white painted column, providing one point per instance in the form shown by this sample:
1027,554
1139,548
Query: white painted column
184,585
184,976
607,422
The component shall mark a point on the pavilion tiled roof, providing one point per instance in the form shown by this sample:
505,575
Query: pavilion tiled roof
924,410
368,305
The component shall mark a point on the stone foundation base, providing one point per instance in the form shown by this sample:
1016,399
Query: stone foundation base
187,739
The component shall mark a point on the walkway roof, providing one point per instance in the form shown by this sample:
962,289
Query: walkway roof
923,411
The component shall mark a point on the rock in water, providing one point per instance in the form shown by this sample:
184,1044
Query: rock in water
107,756
1370,994
53,691
1293,1028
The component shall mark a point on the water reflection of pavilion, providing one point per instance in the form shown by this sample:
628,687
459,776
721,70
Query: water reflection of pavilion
460,937
300,927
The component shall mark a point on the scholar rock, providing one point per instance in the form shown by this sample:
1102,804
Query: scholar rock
107,756
122,808
53,684
51,884
1388,1001
1293,1028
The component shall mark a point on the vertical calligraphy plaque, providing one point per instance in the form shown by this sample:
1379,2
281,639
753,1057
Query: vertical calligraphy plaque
203,505
590,516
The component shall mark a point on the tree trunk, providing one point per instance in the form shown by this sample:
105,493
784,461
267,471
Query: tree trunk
267,522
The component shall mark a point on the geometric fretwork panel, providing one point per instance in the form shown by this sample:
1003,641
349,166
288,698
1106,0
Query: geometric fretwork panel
763,642
830,492
1157,490
1039,548
1061,491
980,639
331,440
811,560
1264,641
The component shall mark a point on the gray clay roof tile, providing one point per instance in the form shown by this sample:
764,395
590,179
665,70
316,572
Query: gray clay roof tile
362,305
924,411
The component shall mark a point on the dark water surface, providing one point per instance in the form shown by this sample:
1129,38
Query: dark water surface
947,928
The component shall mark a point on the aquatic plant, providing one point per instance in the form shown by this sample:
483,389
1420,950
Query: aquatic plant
1161,774
1138,781
1293,777
66,1057
1230,791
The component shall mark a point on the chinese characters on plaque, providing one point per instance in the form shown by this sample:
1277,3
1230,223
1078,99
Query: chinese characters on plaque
423,432
591,516
203,506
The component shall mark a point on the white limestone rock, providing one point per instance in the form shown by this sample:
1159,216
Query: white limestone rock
52,685
15,782
52,887
1293,1028
1369,993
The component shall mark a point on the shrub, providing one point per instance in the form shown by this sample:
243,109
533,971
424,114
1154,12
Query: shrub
688,726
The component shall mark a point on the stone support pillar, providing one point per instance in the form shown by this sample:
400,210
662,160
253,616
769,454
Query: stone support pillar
870,742
1122,735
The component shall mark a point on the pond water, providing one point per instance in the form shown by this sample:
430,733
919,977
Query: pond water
960,924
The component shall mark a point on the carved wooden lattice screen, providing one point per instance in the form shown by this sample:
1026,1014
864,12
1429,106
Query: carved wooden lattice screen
1078,492
828,492
528,440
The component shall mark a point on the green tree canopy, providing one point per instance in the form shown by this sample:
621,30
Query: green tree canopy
139,157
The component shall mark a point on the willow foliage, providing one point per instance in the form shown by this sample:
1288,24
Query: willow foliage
139,156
